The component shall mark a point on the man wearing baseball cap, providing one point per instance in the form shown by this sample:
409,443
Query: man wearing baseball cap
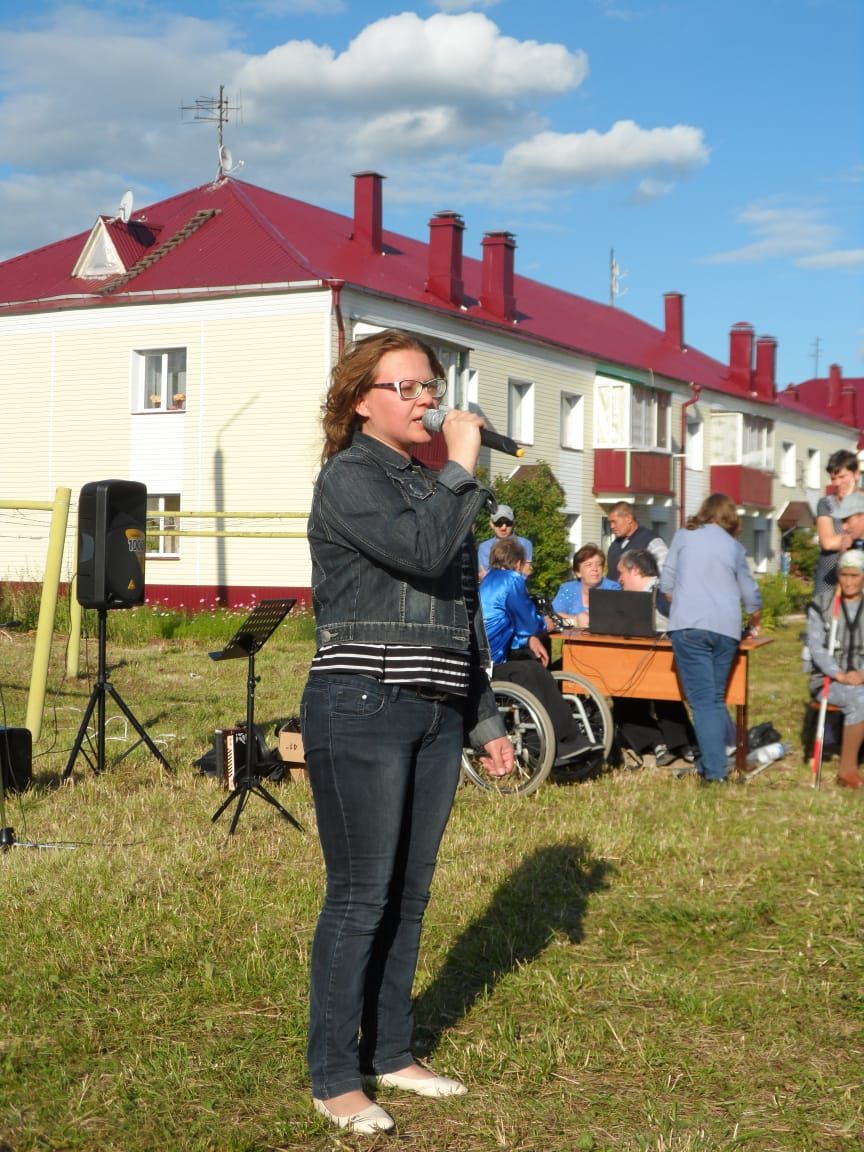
844,662
501,521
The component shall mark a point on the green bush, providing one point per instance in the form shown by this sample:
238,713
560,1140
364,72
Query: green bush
535,497
782,596
803,549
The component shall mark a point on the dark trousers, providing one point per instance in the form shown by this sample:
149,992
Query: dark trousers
529,673
645,723
383,765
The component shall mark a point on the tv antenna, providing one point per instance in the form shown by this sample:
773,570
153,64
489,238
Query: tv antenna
218,110
615,278
816,349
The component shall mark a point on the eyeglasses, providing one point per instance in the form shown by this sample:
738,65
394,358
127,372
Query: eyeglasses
411,389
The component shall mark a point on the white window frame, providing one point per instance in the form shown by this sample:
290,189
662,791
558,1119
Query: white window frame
742,439
572,420
788,463
757,442
520,410
630,415
160,518
814,468
159,380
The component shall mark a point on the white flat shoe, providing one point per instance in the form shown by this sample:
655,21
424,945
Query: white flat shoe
423,1086
365,1123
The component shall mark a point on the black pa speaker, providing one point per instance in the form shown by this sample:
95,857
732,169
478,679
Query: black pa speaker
16,758
112,538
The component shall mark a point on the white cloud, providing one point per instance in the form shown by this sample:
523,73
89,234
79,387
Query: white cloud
594,157
848,258
648,190
463,5
780,232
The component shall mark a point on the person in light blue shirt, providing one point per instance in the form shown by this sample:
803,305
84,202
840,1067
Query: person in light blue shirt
502,522
707,579
571,599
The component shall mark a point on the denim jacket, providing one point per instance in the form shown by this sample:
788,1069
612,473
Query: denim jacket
387,537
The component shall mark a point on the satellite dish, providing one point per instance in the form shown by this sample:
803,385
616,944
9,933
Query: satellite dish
226,162
125,210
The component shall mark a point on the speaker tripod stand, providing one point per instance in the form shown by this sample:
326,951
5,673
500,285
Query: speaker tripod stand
250,638
101,689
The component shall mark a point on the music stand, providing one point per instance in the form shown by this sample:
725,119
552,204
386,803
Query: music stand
250,638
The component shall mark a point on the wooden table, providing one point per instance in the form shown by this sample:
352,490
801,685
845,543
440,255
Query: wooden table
644,668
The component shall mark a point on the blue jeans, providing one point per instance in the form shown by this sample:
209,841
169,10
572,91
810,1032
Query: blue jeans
704,660
384,766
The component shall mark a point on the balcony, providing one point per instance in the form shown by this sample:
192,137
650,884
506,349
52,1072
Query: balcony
632,472
750,487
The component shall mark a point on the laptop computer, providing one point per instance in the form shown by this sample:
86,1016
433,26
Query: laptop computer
613,613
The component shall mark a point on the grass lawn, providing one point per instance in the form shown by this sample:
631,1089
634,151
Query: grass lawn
628,963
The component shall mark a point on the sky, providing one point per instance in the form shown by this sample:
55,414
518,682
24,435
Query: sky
716,147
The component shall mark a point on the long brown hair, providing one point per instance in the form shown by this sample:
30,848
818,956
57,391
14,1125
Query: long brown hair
354,374
717,509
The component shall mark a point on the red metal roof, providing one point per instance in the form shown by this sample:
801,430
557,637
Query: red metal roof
232,236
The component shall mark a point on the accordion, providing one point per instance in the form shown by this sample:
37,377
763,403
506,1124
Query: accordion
229,744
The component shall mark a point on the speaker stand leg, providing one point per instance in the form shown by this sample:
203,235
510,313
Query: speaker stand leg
97,700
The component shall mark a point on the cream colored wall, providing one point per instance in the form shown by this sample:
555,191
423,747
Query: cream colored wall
249,439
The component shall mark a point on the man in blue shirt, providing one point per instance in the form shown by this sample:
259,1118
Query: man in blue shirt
502,522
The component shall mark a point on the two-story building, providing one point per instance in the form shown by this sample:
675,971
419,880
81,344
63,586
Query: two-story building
188,346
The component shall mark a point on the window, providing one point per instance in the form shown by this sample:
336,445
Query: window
161,525
649,418
694,446
159,381
572,420
631,416
737,438
814,467
520,411
757,443
788,461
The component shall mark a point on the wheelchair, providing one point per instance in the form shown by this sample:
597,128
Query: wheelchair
530,731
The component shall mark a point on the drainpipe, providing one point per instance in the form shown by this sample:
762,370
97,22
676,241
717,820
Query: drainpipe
682,487
336,287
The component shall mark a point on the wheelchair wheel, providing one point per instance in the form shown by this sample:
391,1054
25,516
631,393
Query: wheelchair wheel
530,731
593,715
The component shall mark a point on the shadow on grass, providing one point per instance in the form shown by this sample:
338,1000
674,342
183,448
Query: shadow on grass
545,896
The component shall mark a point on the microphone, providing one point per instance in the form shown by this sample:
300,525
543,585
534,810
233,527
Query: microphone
433,420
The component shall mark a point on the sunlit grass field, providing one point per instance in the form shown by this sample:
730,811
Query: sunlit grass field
628,963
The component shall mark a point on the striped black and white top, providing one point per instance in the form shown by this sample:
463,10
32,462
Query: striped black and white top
434,668
437,669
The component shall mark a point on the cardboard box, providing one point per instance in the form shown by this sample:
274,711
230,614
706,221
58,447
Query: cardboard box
291,751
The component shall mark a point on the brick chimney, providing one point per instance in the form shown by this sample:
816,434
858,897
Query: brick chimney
445,257
741,355
849,404
496,292
368,203
764,381
674,334
835,388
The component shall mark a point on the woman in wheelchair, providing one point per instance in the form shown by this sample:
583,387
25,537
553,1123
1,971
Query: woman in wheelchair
515,629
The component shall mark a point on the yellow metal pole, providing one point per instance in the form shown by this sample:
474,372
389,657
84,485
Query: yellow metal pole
73,649
47,611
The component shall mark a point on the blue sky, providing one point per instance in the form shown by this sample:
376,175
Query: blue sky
716,145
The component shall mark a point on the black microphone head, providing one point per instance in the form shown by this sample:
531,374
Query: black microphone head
433,419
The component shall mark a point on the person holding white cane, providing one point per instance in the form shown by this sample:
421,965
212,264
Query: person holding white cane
837,654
